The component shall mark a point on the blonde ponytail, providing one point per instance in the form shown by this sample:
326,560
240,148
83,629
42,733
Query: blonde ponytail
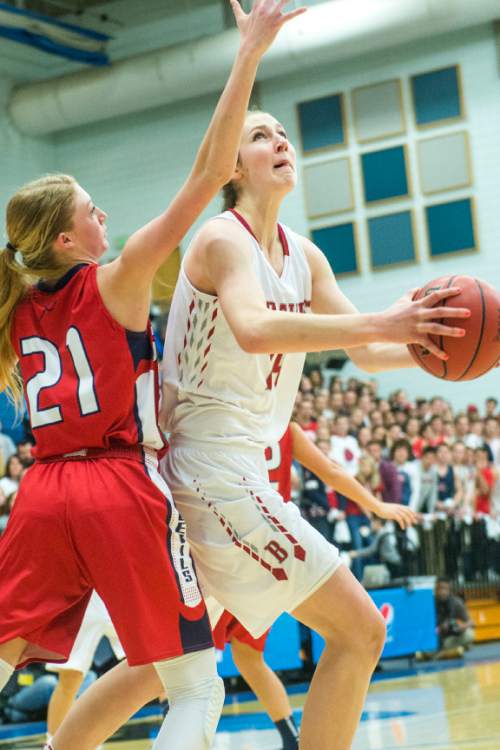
13,286
36,215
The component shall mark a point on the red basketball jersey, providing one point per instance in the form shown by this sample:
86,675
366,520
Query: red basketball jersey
279,463
88,382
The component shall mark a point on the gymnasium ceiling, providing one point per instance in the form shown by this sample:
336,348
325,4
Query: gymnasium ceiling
135,27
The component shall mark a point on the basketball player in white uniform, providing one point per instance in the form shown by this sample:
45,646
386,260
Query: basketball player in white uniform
238,326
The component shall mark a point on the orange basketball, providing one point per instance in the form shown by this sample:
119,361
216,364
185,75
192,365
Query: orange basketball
479,350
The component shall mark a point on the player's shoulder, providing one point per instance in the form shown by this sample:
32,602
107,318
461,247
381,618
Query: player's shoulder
220,234
222,226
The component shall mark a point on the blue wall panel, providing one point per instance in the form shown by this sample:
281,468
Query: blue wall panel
339,245
436,96
391,239
450,227
384,174
321,122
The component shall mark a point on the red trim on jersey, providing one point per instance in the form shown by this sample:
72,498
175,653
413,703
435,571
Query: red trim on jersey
280,475
298,551
281,231
250,550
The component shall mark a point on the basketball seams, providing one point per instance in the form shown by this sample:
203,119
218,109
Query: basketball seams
481,331
415,351
441,338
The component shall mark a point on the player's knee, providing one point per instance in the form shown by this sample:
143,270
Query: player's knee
367,642
374,635
194,689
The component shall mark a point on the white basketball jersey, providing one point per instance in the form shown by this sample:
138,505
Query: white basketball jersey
214,391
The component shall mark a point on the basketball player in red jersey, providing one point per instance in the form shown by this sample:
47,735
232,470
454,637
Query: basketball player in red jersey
93,512
248,652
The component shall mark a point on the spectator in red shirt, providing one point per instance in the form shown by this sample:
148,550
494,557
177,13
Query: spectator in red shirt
485,481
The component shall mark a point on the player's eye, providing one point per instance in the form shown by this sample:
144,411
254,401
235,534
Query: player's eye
258,134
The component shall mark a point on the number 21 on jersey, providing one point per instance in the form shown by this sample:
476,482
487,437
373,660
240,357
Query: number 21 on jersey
52,373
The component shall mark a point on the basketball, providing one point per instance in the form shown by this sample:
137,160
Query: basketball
479,350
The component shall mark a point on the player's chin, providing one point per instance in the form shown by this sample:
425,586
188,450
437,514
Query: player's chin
286,180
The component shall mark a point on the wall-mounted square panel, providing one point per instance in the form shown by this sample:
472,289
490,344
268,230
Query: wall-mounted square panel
444,162
339,245
437,96
450,227
328,187
378,111
391,239
384,174
321,123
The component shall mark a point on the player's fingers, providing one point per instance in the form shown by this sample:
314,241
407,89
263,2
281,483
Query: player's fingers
294,14
410,517
237,10
412,292
445,312
437,295
438,329
401,522
433,349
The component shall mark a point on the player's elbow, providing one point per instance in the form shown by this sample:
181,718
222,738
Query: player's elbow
252,338
363,359
251,341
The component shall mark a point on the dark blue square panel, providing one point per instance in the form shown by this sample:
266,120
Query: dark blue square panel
384,174
339,245
436,96
321,122
391,239
450,227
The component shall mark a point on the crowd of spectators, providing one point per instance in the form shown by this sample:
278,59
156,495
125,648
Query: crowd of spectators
443,464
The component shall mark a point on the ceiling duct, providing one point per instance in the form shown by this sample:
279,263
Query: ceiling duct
331,31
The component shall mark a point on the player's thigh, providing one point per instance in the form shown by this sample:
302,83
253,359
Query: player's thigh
342,612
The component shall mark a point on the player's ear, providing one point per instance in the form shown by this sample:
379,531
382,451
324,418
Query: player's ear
64,242
238,171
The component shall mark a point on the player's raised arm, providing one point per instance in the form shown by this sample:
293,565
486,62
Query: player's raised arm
216,159
335,476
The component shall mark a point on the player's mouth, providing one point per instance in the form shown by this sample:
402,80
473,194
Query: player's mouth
283,164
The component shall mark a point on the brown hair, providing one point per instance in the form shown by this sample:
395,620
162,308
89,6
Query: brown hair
35,216
229,190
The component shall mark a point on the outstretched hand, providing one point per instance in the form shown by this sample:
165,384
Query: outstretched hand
259,27
401,514
411,321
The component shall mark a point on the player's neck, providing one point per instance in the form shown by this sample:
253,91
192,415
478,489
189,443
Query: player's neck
262,216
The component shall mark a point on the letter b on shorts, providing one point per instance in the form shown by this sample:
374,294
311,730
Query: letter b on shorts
276,551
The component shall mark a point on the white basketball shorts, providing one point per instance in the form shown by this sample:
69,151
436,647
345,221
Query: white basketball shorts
254,553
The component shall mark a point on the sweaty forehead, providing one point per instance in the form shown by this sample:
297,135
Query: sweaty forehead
255,119
82,197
